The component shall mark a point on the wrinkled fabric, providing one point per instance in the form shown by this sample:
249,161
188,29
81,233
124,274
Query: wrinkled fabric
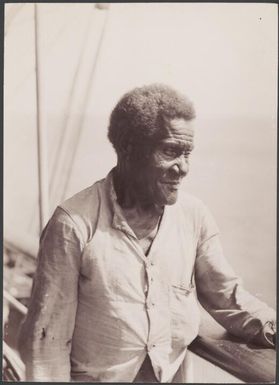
99,305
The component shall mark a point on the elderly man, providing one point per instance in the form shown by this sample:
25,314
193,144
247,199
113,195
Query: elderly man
120,263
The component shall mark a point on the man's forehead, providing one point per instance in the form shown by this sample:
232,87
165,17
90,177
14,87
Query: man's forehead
178,130
179,126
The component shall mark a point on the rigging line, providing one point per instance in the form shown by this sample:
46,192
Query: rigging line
57,155
89,87
41,136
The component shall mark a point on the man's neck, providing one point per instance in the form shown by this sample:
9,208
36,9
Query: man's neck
141,217
142,222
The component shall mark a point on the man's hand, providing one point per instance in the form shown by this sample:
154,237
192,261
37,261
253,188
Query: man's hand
267,335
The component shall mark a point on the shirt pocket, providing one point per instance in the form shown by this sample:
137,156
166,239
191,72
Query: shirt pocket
185,314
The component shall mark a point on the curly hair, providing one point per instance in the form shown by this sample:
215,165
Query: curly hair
138,118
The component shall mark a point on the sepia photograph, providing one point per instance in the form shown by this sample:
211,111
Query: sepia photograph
140,192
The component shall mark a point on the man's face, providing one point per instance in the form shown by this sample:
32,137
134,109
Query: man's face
169,162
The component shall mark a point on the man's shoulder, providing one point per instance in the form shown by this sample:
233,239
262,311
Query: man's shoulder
83,207
188,202
192,207
195,210
83,201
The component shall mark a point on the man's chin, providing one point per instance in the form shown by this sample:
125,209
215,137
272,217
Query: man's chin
171,199
169,193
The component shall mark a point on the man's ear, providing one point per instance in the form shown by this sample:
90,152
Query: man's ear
127,152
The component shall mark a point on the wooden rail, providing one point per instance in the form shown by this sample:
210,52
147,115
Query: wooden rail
15,303
247,362
13,367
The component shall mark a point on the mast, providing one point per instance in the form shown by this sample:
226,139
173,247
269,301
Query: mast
41,136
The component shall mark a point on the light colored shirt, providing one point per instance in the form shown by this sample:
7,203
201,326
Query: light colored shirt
99,305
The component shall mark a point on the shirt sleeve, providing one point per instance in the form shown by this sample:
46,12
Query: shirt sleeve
46,333
221,293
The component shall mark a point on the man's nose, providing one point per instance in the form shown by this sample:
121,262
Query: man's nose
181,166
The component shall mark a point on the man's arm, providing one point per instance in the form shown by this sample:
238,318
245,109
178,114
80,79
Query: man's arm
45,337
221,293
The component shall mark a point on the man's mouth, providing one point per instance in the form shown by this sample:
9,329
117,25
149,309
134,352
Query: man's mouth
172,184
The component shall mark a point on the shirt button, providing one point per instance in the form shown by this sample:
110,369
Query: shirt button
149,264
149,305
150,347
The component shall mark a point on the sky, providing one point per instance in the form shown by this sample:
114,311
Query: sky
223,55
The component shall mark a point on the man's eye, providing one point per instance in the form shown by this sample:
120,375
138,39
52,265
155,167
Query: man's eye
170,152
175,153
187,154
